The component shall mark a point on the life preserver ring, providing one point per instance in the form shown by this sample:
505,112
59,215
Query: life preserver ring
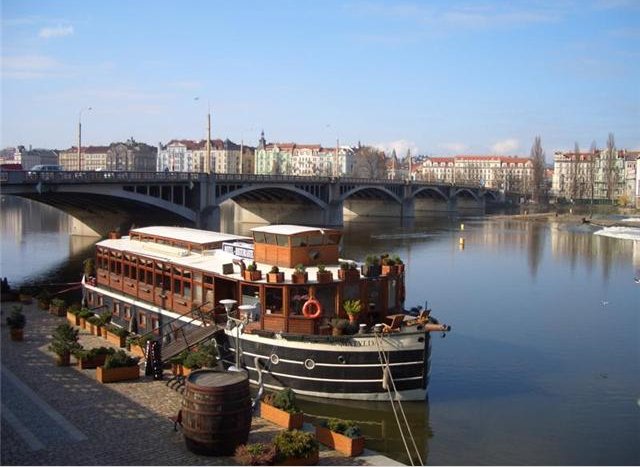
308,304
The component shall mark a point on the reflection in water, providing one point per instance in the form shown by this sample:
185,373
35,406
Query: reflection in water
536,370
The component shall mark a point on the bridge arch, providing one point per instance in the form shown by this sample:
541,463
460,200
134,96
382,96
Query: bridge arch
437,191
389,194
233,195
461,191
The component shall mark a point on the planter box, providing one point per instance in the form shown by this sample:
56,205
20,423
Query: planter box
281,418
299,278
57,310
344,444
116,339
26,299
90,327
348,275
324,277
311,460
84,364
137,350
275,277
252,275
112,375
83,322
64,359
74,320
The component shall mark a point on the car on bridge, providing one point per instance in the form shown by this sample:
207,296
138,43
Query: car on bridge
46,168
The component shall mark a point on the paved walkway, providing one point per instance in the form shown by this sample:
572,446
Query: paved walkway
62,416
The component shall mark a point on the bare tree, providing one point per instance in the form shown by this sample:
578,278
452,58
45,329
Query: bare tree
610,172
370,163
592,171
539,166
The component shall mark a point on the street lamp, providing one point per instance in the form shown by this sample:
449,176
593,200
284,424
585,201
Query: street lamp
207,162
80,136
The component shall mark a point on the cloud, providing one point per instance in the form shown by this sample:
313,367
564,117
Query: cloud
457,148
505,146
58,31
401,146
30,66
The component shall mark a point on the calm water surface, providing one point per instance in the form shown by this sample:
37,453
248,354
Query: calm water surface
542,366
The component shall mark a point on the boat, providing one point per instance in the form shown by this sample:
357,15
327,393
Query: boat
274,303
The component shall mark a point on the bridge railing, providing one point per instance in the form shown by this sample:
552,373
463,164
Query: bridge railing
30,176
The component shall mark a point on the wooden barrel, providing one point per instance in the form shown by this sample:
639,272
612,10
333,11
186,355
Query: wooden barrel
216,411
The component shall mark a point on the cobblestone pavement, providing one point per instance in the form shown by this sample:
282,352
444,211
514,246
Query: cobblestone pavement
65,417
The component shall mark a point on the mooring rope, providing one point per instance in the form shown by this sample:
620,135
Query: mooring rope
384,363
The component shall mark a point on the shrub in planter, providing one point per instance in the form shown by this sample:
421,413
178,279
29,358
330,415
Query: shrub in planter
44,299
26,295
323,276
338,326
116,335
92,324
255,454
84,314
281,409
296,447
176,363
371,266
352,308
72,314
103,319
274,275
204,357
118,367
344,436
57,307
299,275
348,272
92,358
138,344
64,343
16,322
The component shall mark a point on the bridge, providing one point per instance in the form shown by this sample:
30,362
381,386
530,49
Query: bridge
105,201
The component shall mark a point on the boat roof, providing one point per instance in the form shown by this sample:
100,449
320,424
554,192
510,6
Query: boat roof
186,234
287,229
211,260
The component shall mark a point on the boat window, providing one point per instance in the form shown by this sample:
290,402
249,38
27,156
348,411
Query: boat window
391,300
126,270
177,286
298,241
298,297
208,279
259,237
333,239
327,298
373,294
177,272
282,240
141,275
186,290
315,240
270,239
351,291
273,300
250,294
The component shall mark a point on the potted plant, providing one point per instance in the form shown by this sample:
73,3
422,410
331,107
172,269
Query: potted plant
72,314
299,275
388,266
338,325
203,357
138,344
84,315
92,358
176,363
281,409
44,299
89,267
101,323
348,272
57,307
399,264
353,309
25,294
251,273
92,324
116,335
64,343
118,367
16,322
371,266
344,436
274,275
255,454
296,447
323,276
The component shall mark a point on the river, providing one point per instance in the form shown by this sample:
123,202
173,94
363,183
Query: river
542,366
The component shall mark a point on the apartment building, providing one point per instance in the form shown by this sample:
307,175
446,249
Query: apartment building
91,158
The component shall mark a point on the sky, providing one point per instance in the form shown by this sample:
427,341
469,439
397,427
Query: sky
438,78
